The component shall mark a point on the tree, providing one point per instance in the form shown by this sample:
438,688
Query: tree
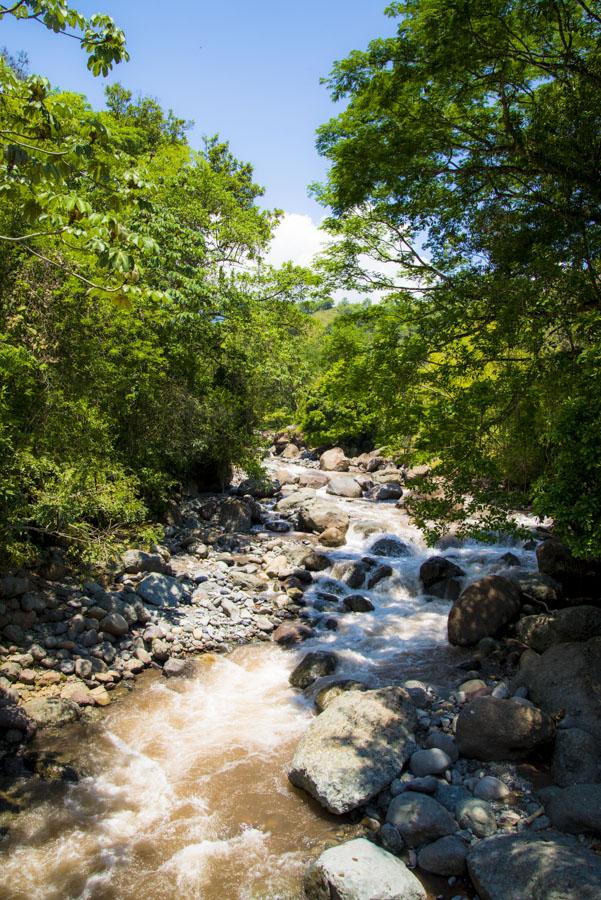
468,158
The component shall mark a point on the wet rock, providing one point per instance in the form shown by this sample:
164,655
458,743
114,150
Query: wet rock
545,866
391,547
446,856
420,819
331,691
342,486
438,570
423,785
390,838
178,668
359,870
100,696
377,575
334,460
482,609
432,761
314,665
333,537
161,590
576,758
493,729
575,809
315,562
78,692
289,633
476,815
358,603
578,578
135,561
51,711
355,748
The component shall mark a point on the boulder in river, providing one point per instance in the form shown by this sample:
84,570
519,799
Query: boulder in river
391,547
317,515
314,665
546,866
334,689
360,870
439,577
334,460
51,712
236,514
358,603
420,818
333,537
482,610
289,633
355,748
344,486
493,729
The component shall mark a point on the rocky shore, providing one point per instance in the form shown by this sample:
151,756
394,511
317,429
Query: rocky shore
489,778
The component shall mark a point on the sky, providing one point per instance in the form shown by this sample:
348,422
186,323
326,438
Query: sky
248,70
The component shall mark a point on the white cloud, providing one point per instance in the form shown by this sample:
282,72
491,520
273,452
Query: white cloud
297,238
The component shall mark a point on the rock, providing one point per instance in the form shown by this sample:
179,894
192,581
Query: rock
359,870
437,569
429,762
51,712
317,515
491,788
294,500
482,609
355,748
314,665
380,492
135,561
235,515
576,623
576,758
83,668
446,856
13,633
578,578
100,696
114,624
333,537
537,588
546,866
344,487
493,729
444,742
390,547
475,687
476,815
329,692
566,677
424,785
315,562
334,460
13,586
290,451
161,590
178,668
312,479
575,809
258,487
78,693
291,633
358,603
419,818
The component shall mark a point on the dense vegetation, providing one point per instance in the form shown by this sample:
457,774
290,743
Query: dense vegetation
466,165
140,344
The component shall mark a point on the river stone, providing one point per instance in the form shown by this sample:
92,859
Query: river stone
139,561
13,586
355,748
235,514
574,809
360,870
444,742
432,761
391,547
314,665
491,788
329,692
161,590
437,569
537,588
358,603
294,500
291,633
313,479
547,866
482,610
380,492
317,515
290,451
316,562
576,623
493,729
419,818
51,711
334,460
446,856
576,758
333,537
477,815
114,624
342,486
178,668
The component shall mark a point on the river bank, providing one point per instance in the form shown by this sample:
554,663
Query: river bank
183,784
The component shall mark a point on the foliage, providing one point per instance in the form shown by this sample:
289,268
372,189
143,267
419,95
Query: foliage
465,166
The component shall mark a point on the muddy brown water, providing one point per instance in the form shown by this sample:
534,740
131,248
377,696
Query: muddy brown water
184,790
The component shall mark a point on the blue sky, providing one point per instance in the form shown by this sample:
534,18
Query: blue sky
249,71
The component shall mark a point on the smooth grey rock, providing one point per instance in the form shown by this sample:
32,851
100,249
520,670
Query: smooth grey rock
334,689
161,590
178,668
477,815
438,569
314,665
492,729
446,856
491,788
546,866
139,561
355,748
114,624
318,515
342,486
576,758
51,711
359,870
358,603
575,809
444,742
432,761
420,818
334,460
294,500
483,608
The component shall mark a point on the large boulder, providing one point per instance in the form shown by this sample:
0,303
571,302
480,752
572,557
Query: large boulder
316,664
344,486
482,610
318,515
51,712
537,588
389,491
578,577
295,499
390,547
135,561
355,748
290,451
359,870
446,856
419,818
438,569
311,478
575,809
576,757
547,866
575,623
236,514
334,460
161,590
492,729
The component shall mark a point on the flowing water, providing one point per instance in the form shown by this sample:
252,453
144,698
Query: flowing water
184,790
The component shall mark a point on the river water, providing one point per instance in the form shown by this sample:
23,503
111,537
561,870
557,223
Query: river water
184,791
